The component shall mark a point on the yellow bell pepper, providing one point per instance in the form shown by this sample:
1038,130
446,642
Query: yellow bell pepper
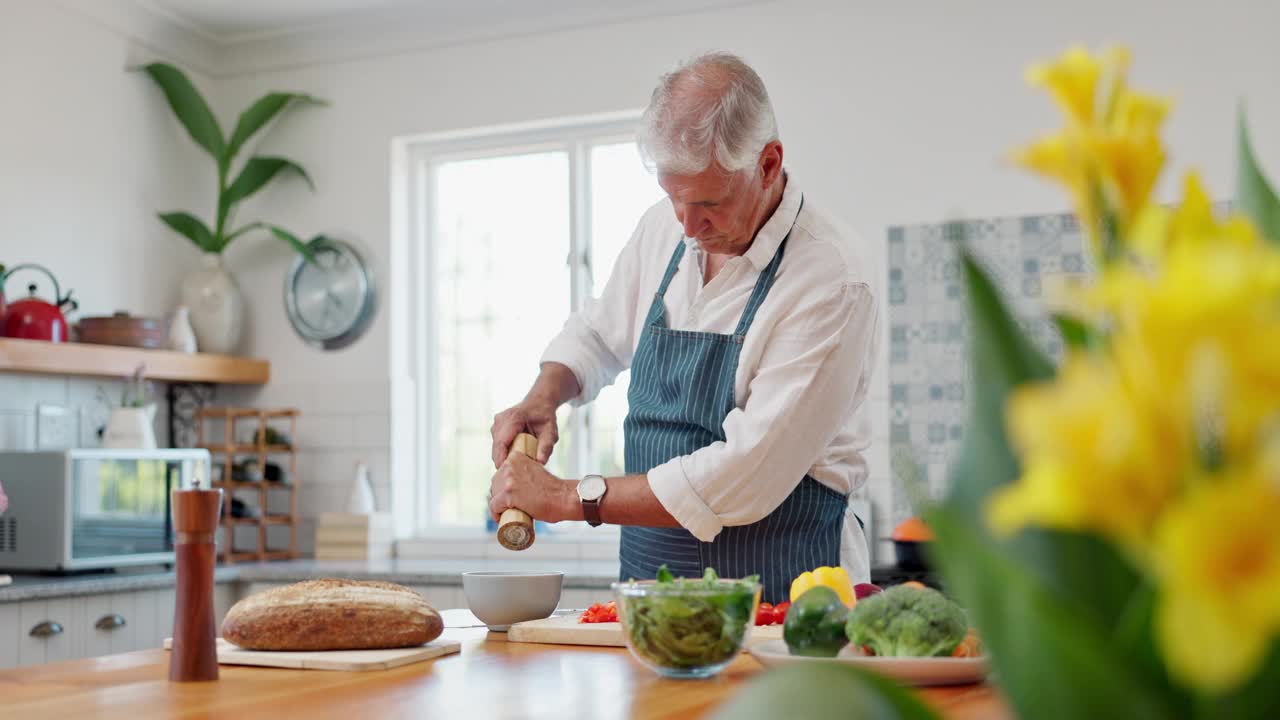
833,577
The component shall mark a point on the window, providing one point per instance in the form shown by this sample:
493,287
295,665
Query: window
507,232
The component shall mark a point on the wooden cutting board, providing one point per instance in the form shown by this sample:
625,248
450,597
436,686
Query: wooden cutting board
566,630
347,660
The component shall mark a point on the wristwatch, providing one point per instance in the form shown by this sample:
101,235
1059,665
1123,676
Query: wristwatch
591,491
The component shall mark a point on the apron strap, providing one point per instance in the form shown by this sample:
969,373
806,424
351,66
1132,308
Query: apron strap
671,268
765,281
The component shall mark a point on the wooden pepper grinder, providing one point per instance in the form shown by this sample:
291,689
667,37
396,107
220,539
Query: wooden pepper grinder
195,518
515,527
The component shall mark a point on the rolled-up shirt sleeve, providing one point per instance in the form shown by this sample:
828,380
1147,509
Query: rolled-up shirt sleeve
597,343
813,373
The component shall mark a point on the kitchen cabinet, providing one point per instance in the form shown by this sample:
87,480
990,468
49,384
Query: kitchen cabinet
92,625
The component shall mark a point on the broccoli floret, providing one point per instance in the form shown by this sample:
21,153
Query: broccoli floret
907,622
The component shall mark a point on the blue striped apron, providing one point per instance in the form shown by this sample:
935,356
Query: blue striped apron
682,388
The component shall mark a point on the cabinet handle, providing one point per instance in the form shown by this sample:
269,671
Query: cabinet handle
48,628
110,622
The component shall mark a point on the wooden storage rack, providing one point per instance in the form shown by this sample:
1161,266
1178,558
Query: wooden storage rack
227,452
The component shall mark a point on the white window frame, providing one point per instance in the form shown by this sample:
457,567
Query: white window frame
413,324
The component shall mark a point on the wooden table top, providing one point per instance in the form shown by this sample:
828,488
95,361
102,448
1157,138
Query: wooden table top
490,678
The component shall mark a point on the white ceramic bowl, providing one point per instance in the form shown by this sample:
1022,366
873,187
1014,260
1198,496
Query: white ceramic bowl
502,598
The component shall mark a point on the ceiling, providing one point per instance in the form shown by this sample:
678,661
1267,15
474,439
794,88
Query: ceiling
234,21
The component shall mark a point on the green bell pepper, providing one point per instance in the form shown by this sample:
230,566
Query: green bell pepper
815,623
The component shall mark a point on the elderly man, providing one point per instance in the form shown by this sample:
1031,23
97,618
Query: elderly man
750,331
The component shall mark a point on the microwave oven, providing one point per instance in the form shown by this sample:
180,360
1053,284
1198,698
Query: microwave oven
87,509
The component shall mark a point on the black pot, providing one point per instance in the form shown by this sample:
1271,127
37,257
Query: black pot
912,554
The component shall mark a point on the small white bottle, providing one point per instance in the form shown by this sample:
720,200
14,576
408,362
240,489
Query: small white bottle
181,337
360,501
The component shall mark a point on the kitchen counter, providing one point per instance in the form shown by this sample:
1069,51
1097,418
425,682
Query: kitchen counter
40,587
490,678
578,574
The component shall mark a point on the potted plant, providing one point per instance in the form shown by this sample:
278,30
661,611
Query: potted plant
211,293
131,425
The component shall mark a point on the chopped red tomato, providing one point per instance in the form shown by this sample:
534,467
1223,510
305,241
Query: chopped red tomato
600,613
765,615
768,614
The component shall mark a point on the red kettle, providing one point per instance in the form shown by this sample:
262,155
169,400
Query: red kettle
32,318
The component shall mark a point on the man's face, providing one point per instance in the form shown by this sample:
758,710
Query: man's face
720,210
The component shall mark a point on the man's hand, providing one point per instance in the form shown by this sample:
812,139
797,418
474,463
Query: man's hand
522,482
532,415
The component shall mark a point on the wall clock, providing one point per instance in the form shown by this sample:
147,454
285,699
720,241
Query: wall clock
331,301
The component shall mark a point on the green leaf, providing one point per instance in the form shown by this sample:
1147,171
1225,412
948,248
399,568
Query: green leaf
259,171
1053,657
232,236
253,177
192,111
823,690
1002,357
1254,194
303,249
192,228
259,114
1075,332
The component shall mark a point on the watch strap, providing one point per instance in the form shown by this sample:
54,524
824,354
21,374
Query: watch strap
591,508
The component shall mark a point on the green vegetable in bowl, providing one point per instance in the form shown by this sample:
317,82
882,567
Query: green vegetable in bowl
907,622
687,624
814,626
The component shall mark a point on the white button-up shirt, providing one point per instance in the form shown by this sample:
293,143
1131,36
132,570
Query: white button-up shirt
802,375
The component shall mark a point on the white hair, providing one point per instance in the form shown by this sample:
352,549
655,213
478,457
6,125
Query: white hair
712,107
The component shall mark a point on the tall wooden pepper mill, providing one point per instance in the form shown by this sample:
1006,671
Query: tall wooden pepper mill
195,519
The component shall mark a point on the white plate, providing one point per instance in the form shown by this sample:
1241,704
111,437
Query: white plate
912,671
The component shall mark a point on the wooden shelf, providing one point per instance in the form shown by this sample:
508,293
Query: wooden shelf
249,449
236,485
240,556
220,412
46,358
228,449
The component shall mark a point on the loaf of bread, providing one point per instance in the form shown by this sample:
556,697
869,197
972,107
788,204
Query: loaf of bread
331,614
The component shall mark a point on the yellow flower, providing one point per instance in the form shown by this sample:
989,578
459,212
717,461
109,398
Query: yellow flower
1072,80
1218,560
1159,230
1198,337
1128,165
1095,458
1108,160
1060,157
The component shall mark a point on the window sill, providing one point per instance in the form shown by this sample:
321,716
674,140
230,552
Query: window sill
587,545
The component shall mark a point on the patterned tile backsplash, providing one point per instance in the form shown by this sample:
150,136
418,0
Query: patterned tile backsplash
928,360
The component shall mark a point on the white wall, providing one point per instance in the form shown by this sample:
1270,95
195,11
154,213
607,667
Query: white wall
890,113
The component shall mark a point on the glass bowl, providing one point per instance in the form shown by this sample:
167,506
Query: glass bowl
689,628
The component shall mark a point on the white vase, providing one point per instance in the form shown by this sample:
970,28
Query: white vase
131,428
181,337
216,305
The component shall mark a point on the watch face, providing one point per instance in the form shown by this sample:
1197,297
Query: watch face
329,301
591,488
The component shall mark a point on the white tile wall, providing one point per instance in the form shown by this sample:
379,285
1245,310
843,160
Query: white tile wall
83,398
